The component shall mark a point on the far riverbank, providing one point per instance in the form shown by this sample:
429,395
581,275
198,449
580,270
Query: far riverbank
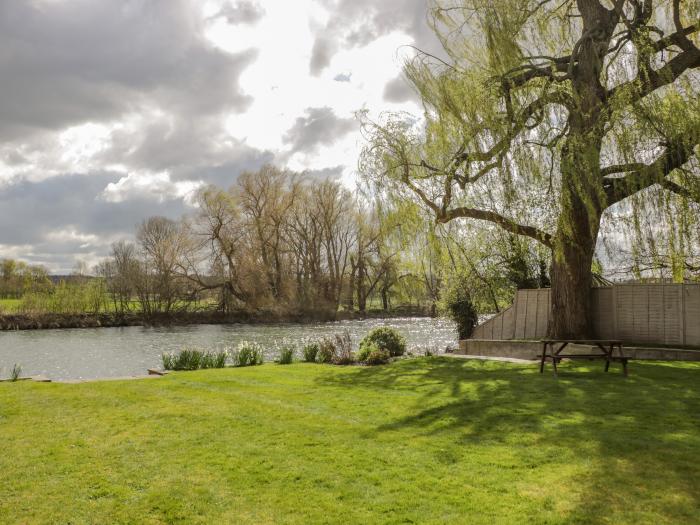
43,321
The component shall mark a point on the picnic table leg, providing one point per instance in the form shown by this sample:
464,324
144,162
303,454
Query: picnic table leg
554,362
544,355
623,359
608,355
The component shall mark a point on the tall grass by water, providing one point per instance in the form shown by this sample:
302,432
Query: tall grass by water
191,359
247,354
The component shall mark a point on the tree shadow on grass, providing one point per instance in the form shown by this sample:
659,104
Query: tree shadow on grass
641,434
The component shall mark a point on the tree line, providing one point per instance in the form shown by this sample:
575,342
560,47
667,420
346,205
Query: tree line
284,242
275,240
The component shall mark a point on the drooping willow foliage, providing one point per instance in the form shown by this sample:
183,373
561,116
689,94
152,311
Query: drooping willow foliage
552,120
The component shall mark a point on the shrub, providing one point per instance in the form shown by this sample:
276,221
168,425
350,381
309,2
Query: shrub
377,356
248,354
326,350
286,353
191,359
218,359
310,351
365,350
427,351
456,302
15,372
343,349
386,339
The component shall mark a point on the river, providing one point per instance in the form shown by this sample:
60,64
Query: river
89,353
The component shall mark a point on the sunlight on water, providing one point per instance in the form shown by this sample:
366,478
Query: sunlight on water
117,352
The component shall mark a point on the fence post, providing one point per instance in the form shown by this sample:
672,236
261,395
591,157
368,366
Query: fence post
682,314
614,311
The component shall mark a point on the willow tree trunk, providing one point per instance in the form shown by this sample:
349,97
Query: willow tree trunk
582,202
582,198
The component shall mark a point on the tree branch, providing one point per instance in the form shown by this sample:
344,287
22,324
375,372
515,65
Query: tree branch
496,218
444,215
674,157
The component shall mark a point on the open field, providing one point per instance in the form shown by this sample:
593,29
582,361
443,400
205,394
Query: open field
9,306
431,440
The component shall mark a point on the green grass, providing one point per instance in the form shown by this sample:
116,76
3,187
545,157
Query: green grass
430,440
14,306
9,305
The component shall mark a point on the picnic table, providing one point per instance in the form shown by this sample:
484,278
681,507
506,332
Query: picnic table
607,349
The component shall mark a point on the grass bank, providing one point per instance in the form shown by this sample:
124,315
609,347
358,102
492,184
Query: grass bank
433,440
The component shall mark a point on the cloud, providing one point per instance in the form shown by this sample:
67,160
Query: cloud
333,173
343,77
65,215
356,23
154,186
399,90
319,126
243,12
65,63
115,111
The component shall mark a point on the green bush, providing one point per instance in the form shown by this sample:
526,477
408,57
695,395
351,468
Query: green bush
286,353
190,359
386,339
456,302
377,357
247,354
310,351
366,349
326,350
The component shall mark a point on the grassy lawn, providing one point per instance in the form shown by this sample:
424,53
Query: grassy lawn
432,440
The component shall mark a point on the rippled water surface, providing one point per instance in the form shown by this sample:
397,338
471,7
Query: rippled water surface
88,353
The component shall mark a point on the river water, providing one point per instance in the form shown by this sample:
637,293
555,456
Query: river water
88,353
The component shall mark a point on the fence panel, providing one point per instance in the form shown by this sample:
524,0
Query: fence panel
638,313
603,312
691,319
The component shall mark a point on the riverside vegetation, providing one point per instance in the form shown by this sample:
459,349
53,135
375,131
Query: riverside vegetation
377,347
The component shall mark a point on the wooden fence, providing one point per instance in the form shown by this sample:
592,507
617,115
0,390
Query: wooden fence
634,313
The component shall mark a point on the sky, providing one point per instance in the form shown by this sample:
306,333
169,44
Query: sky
113,111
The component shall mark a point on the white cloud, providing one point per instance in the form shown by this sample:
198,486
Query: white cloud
155,186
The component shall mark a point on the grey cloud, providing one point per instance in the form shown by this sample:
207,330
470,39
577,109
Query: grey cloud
333,173
32,212
356,23
319,126
399,90
64,63
343,77
225,175
243,12
321,54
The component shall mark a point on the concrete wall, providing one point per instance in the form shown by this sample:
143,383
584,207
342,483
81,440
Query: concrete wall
533,350
637,313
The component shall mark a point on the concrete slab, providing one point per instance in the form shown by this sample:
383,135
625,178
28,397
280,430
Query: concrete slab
532,350
491,358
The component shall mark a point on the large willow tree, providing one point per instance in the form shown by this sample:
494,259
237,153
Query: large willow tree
547,116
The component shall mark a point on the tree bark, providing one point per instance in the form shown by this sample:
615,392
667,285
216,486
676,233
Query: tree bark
582,198
582,203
